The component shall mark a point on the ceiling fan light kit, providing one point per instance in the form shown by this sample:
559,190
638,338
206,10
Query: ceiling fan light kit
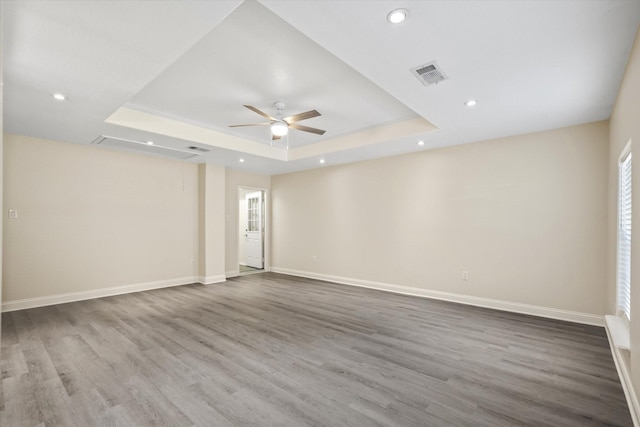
279,128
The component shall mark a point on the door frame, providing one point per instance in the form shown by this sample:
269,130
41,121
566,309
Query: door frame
266,220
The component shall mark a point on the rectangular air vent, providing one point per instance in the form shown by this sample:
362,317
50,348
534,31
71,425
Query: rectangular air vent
143,147
429,74
199,149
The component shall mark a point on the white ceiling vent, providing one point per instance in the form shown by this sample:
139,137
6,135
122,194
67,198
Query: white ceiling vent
143,147
429,74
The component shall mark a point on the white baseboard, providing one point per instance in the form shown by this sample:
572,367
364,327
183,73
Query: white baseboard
97,293
625,378
553,313
212,279
232,273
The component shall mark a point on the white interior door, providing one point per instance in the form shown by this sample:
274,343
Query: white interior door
253,234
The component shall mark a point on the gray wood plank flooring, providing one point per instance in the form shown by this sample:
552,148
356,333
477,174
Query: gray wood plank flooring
276,350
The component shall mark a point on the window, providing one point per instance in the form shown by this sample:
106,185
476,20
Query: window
253,222
624,234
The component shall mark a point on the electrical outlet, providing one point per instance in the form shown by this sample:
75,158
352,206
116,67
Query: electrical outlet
13,214
465,275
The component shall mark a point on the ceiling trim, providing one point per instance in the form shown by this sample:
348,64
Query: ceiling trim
146,121
135,119
375,135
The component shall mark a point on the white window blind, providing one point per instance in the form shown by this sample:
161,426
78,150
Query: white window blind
624,237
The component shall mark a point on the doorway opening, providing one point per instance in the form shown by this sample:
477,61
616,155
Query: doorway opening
251,230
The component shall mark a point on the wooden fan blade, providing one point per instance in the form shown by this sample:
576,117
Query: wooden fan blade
301,116
262,113
307,129
251,124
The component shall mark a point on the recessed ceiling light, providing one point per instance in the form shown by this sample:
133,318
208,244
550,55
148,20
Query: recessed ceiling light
149,142
420,143
241,160
397,16
59,96
321,161
471,103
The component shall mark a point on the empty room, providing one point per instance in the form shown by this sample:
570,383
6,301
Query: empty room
319,213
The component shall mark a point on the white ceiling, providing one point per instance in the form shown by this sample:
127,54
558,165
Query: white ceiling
178,72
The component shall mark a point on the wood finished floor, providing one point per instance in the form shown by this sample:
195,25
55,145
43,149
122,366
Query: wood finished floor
271,349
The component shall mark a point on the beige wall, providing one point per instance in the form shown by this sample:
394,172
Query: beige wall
211,193
625,127
235,179
524,215
92,218
1,149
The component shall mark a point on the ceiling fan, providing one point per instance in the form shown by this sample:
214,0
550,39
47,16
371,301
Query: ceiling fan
280,125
